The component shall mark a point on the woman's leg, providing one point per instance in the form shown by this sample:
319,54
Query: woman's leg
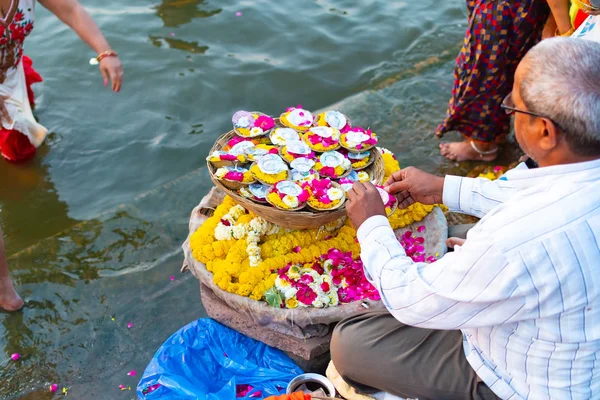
375,352
9,298
498,36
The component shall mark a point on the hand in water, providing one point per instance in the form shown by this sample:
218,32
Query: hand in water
111,68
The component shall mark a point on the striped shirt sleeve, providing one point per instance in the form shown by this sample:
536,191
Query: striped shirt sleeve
472,287
475,196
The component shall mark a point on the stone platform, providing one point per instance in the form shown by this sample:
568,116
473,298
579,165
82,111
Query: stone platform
312,355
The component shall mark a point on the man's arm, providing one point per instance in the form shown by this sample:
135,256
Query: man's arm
77,18
472,287
473,196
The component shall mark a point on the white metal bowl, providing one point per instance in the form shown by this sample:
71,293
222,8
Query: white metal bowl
315,379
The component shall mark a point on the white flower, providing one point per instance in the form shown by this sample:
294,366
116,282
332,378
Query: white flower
255,261
333,299
237,211
239,231
346,164
220,173
328,265
347,186
253,250
281,284
285,288
222,232
290,201
335,193
318,303
246,193
363,176
256,131
294,272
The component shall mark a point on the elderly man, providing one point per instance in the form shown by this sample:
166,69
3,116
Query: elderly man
513,312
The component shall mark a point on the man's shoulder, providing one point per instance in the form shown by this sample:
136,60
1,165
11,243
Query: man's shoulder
537,213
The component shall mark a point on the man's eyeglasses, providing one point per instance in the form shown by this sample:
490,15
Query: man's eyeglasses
508,105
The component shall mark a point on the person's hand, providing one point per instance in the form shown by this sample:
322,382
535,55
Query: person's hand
412,185
364,202
111,68
454,241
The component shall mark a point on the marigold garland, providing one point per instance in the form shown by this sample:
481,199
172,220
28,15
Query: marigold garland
229,262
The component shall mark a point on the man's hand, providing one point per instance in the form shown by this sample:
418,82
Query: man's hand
364,202
412,185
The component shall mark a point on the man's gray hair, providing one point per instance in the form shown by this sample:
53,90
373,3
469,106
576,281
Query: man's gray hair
561,80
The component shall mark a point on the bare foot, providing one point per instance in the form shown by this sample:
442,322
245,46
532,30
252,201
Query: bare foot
463,151
454,241
9,298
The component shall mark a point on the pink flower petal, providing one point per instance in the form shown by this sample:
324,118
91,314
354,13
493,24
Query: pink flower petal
238,14
421,228
132,373
15,356
122,387
129,325
172,278
297,249
53,388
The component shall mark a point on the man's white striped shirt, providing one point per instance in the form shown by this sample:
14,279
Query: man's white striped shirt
524,288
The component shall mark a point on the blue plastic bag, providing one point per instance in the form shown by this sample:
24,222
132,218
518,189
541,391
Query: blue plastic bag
206,360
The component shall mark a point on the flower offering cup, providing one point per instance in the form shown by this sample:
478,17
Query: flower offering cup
252,124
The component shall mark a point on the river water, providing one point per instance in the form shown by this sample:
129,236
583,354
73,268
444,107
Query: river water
94,224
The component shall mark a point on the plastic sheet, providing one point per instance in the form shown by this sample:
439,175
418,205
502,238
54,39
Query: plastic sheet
206,360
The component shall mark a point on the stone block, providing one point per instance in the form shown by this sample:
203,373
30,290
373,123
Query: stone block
313,350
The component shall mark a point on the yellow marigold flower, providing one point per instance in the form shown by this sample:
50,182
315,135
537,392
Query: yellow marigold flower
291,303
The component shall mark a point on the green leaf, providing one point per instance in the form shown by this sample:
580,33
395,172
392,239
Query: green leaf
273,297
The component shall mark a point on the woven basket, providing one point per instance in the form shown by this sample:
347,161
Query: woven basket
289,219
233,185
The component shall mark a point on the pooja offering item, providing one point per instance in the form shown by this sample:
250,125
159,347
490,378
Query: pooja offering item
302,170
333,164
358,139
322,138
255,191
333,119
296,149
252,124
347,182
287,195
221,158
324,194
390,202
260,150
285,154
360,160
270,169
234,177
280,136
297,118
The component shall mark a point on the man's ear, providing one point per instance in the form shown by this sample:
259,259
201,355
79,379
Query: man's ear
549,136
